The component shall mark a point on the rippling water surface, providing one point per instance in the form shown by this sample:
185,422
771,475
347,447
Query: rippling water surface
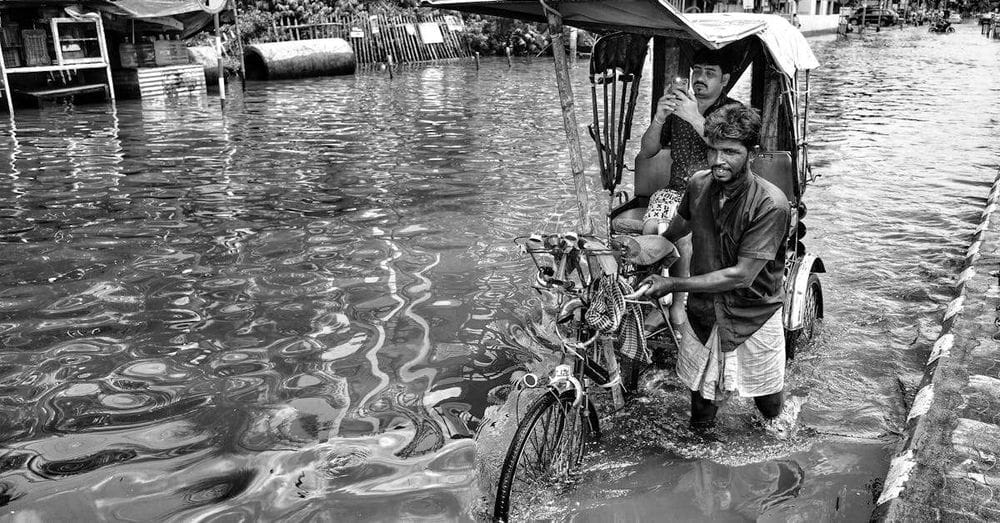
291,308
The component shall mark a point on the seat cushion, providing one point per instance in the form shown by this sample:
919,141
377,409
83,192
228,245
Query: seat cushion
629,221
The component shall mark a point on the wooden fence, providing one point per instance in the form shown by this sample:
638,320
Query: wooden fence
407,38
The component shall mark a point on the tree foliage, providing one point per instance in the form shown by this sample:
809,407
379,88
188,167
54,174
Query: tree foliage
483,34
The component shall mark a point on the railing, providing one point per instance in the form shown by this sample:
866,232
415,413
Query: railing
408,38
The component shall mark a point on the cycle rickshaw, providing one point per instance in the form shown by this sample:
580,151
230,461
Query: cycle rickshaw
552,431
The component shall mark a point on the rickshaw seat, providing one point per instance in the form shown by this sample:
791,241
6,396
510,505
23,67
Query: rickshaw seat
650,175
777,168
653,174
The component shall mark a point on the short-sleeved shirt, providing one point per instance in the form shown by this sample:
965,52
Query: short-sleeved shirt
751,223
688,152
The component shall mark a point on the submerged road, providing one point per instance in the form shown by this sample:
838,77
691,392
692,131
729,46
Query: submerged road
289,310
946,466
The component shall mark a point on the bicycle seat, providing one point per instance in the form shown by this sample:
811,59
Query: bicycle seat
648,249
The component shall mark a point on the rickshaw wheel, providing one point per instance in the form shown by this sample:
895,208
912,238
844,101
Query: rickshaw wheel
548,445
813,311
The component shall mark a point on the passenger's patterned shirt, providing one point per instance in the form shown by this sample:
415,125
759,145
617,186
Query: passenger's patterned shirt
688,151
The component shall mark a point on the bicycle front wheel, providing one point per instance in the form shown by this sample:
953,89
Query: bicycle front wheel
548,443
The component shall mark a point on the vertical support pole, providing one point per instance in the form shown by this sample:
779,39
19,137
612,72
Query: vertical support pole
477,60
507,50
659,71
6,82
388,64
569,117
103,44
239,44
574,37
221,66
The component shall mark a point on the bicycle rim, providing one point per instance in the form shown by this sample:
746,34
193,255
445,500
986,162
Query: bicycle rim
548,443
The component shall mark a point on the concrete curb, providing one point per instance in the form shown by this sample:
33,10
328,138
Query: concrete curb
944,469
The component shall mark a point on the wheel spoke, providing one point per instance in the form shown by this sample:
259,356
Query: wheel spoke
551,447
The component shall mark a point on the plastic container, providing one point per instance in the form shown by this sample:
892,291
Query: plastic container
127,56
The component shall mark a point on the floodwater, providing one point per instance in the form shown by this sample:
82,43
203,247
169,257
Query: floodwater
291,308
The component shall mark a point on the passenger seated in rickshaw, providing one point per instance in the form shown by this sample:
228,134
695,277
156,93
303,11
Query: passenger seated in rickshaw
679,125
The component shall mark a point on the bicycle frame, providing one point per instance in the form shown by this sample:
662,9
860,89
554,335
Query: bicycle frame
569,266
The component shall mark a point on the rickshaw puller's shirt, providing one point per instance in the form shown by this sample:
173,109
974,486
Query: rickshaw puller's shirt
688,151
751,223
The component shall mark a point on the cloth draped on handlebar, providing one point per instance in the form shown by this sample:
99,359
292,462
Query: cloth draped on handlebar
611,314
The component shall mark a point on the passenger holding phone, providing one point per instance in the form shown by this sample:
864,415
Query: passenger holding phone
679,125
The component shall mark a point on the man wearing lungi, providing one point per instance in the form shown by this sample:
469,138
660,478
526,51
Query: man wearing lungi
732,339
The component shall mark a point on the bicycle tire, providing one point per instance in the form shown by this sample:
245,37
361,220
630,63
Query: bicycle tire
549,409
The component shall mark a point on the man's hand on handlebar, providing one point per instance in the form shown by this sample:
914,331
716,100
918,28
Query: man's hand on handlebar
657,286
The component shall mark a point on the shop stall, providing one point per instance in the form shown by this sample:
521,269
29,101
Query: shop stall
52,51
100,48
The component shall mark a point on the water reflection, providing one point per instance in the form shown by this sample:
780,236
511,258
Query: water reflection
299,306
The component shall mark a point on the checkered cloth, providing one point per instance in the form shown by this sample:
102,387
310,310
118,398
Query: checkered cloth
609,314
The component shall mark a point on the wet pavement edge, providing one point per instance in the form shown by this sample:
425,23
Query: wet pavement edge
947,466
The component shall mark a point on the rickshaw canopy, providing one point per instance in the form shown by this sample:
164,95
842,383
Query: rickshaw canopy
657,17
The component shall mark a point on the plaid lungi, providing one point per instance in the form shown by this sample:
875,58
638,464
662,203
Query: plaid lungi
755,368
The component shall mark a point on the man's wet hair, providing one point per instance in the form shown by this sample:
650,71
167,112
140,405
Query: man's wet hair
734,122
717,57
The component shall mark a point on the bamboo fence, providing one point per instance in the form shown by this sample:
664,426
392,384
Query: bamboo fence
375,36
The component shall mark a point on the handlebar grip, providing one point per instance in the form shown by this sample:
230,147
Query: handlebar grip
638,292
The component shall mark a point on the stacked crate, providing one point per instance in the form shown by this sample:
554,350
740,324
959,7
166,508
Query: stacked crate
36,49
11,45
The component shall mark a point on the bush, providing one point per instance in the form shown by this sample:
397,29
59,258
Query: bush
488,35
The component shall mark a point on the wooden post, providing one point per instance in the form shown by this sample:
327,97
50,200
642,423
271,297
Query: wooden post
477,60
509,64
569,117
103,45
388,64
573,37
222,67
614,370
239,45
404,37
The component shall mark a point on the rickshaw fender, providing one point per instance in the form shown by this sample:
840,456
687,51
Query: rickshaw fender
795,293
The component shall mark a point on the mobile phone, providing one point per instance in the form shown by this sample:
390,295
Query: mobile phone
682,83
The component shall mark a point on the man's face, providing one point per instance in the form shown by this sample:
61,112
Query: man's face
708,80
727,159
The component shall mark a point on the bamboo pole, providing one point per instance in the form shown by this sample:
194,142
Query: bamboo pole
569,116
363,41
382,44
414,41
222,67
369,40
424,48
239,45
403,41
390,33
448,43
407,40
398,35
397,50
456,44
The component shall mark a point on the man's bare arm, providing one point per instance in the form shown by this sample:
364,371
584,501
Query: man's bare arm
738,276
650,144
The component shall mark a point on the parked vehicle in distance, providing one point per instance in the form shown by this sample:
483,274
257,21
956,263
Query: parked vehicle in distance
873,16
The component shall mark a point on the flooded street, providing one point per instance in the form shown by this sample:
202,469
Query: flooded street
292,308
